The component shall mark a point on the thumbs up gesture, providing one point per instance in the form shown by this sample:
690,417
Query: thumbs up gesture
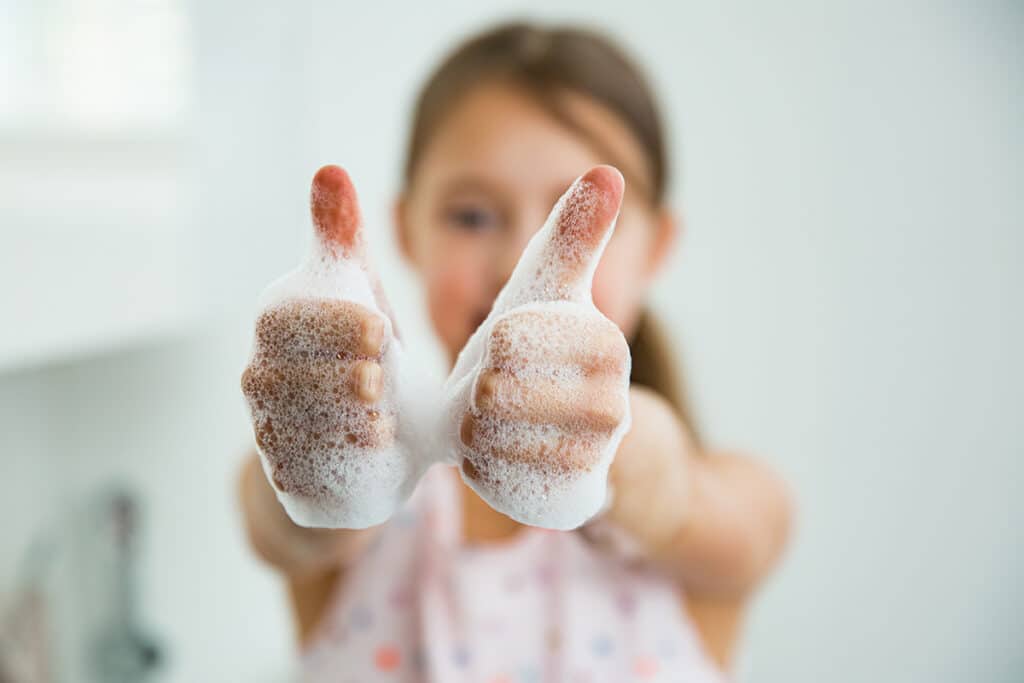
534,409
324,378
538,400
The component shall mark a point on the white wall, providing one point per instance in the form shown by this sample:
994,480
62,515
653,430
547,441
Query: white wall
845,295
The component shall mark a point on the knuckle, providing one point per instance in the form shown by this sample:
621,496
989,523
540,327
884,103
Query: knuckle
352,329
610,354
499,351
381,428
502,332
607,406
512,339
367,381
304,329
248,380
373,429
606,417
605,364
371,332
266,437
513,324
256,382
618,360
470,470
467,428
618,346
358,328
485,393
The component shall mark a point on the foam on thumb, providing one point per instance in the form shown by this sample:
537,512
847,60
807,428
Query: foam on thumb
558,263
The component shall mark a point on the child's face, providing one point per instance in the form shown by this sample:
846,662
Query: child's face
485,183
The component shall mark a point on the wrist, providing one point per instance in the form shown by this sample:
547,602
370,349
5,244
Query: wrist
294,550
651,508
651,477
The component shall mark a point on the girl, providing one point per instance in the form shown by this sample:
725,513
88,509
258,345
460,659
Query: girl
655,587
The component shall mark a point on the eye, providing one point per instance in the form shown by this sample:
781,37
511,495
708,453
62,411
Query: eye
471,218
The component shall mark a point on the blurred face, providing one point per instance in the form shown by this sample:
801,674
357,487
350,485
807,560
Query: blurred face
484,185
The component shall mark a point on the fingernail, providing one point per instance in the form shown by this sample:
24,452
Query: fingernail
335,207
469,469
373,335
466,432
369,381
486,388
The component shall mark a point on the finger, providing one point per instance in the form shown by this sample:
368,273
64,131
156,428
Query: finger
286,440
368,381
257,385
327,391
320,396
577,228
550,450
467,428
592,343
588,405
297,388
310,329
294,423
335,210
586,214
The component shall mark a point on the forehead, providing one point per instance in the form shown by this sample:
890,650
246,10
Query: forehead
500,134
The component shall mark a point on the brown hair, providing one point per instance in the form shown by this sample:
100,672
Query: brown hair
546,63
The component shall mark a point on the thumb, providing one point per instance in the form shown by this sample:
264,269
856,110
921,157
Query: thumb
335,210
339,228
559,263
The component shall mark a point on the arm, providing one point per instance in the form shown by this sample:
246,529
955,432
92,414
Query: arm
297,552
716,521
321,341
311,560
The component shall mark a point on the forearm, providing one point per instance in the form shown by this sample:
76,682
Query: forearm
716,522
296,551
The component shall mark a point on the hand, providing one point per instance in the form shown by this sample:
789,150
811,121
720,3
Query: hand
539,396
319,384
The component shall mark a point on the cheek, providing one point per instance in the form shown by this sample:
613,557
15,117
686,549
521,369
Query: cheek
454,282
619,284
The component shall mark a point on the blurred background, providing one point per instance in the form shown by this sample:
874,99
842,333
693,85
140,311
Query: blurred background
847,298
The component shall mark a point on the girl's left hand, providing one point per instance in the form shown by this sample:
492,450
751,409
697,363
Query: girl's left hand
542,388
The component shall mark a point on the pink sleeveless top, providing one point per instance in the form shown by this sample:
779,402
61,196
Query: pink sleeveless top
544,607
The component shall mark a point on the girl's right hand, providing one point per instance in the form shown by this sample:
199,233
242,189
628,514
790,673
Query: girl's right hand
318,389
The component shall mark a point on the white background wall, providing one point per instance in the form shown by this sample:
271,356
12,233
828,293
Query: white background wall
846,298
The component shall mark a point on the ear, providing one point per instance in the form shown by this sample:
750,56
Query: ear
400,219
668,227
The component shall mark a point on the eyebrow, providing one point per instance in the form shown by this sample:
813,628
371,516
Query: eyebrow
558,190
468,183
471,183
633,182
